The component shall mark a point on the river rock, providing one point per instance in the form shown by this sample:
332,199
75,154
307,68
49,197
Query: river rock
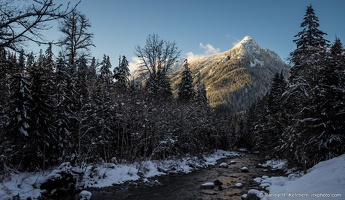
239,185
259,165
223,165
85,195
244,169
258,179
233,162
207,185
252,197
253,194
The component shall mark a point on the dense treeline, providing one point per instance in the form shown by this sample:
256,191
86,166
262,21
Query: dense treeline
70,107
302,119
73,108
52,112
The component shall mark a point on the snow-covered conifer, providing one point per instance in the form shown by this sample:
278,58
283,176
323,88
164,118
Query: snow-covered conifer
186,87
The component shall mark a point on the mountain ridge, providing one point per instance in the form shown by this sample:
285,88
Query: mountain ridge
237,77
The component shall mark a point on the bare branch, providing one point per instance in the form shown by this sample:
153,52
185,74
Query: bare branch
76,36
21,21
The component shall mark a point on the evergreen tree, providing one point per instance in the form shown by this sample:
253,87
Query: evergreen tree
106,75
121,73
18,109
311,133
30,61
186,88
3,86
92,73
61,106
44,139
270,120
309,40
201,94
329,138
82,85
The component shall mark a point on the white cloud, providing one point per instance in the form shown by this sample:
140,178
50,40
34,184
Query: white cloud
208,50
134,64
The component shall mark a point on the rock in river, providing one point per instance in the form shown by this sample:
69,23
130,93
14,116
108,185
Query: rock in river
244,169
207,185
223,165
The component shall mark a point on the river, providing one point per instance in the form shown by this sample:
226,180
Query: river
187,186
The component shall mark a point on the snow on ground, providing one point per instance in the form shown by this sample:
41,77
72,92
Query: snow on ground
325,180
27,185
276,164
24,184
212,159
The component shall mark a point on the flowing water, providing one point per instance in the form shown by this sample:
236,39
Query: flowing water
187,186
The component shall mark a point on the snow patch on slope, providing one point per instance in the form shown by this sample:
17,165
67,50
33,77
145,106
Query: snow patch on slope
256,63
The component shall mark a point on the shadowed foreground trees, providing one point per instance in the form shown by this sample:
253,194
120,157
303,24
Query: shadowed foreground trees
59,110
307,116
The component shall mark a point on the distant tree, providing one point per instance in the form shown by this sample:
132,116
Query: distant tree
268,122
121,73
30,61
106,75
92,72
157,57
186,87
276,91
201,94
22,21
76,39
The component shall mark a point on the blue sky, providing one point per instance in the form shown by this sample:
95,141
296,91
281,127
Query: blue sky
201,27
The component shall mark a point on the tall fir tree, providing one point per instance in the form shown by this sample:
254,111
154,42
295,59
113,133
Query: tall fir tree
44,139
201,93
309,101
3,86
269,118
106,75
309,40
61,106
186,91
121,73
329,138
17,133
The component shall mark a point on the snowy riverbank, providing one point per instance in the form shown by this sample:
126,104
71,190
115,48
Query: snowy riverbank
325,180
25,185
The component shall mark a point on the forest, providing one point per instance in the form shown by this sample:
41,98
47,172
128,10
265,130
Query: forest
69,107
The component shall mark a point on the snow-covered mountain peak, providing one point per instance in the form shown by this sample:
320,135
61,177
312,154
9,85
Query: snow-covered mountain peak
246,39
248,44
